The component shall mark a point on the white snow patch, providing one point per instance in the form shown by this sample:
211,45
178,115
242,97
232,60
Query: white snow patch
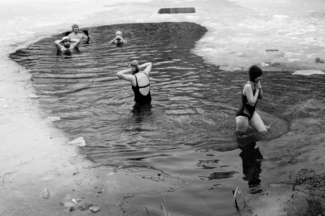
307,72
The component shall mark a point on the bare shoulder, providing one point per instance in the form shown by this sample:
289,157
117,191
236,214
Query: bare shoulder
247,85
247,88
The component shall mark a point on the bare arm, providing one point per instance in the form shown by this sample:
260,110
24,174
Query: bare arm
74,42
112,41
123,75
116,39
86,33
148,67
252,99
58,44
123,41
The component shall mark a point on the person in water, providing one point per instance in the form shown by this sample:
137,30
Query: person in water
118,40
139,80
66,44
76,34
252,92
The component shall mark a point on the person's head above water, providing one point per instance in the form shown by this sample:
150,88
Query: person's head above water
134,65
254,72
75,28
118,33
66,41
118,40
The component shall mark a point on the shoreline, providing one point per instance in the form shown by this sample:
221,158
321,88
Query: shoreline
82,173
26,127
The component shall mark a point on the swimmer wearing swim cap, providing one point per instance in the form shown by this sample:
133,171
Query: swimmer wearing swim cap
252,92
76,34
118,40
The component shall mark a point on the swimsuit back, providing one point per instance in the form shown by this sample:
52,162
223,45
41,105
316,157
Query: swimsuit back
138,97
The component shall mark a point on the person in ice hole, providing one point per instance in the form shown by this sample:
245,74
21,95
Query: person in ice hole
77,34
118,40
139,80
252,92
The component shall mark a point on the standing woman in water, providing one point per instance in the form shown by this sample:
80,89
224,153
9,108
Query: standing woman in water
252,92
139,80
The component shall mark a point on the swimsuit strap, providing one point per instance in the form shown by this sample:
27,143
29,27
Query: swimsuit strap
136,80
144,86
138,84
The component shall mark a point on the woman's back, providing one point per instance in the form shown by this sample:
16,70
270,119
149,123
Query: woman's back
143,83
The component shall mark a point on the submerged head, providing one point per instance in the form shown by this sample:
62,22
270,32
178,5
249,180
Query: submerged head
75,28
134,67
255,73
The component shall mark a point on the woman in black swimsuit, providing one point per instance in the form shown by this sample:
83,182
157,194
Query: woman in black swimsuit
139,80
252,91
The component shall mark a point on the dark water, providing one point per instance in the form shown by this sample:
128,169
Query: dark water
188,131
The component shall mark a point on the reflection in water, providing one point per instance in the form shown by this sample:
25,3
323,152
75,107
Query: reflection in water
194,104
252,158
219,175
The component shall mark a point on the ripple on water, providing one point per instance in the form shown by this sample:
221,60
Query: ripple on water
191,119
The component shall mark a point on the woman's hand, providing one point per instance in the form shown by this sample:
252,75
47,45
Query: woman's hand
259,86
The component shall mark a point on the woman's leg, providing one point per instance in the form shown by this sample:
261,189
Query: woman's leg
241,123
257,123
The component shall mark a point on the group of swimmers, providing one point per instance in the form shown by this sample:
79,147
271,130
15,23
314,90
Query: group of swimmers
71,40
252,92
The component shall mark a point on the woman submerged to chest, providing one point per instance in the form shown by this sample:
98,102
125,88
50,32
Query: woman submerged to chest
142,93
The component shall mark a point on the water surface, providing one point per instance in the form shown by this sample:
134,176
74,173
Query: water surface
188,130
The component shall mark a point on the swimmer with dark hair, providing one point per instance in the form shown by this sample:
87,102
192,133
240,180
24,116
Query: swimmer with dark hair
76,34
66,44
118,40
139,80
251,93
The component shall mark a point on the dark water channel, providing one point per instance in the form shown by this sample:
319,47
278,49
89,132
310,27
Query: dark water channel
188,131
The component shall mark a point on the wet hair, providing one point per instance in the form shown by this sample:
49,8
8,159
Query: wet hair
254,72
